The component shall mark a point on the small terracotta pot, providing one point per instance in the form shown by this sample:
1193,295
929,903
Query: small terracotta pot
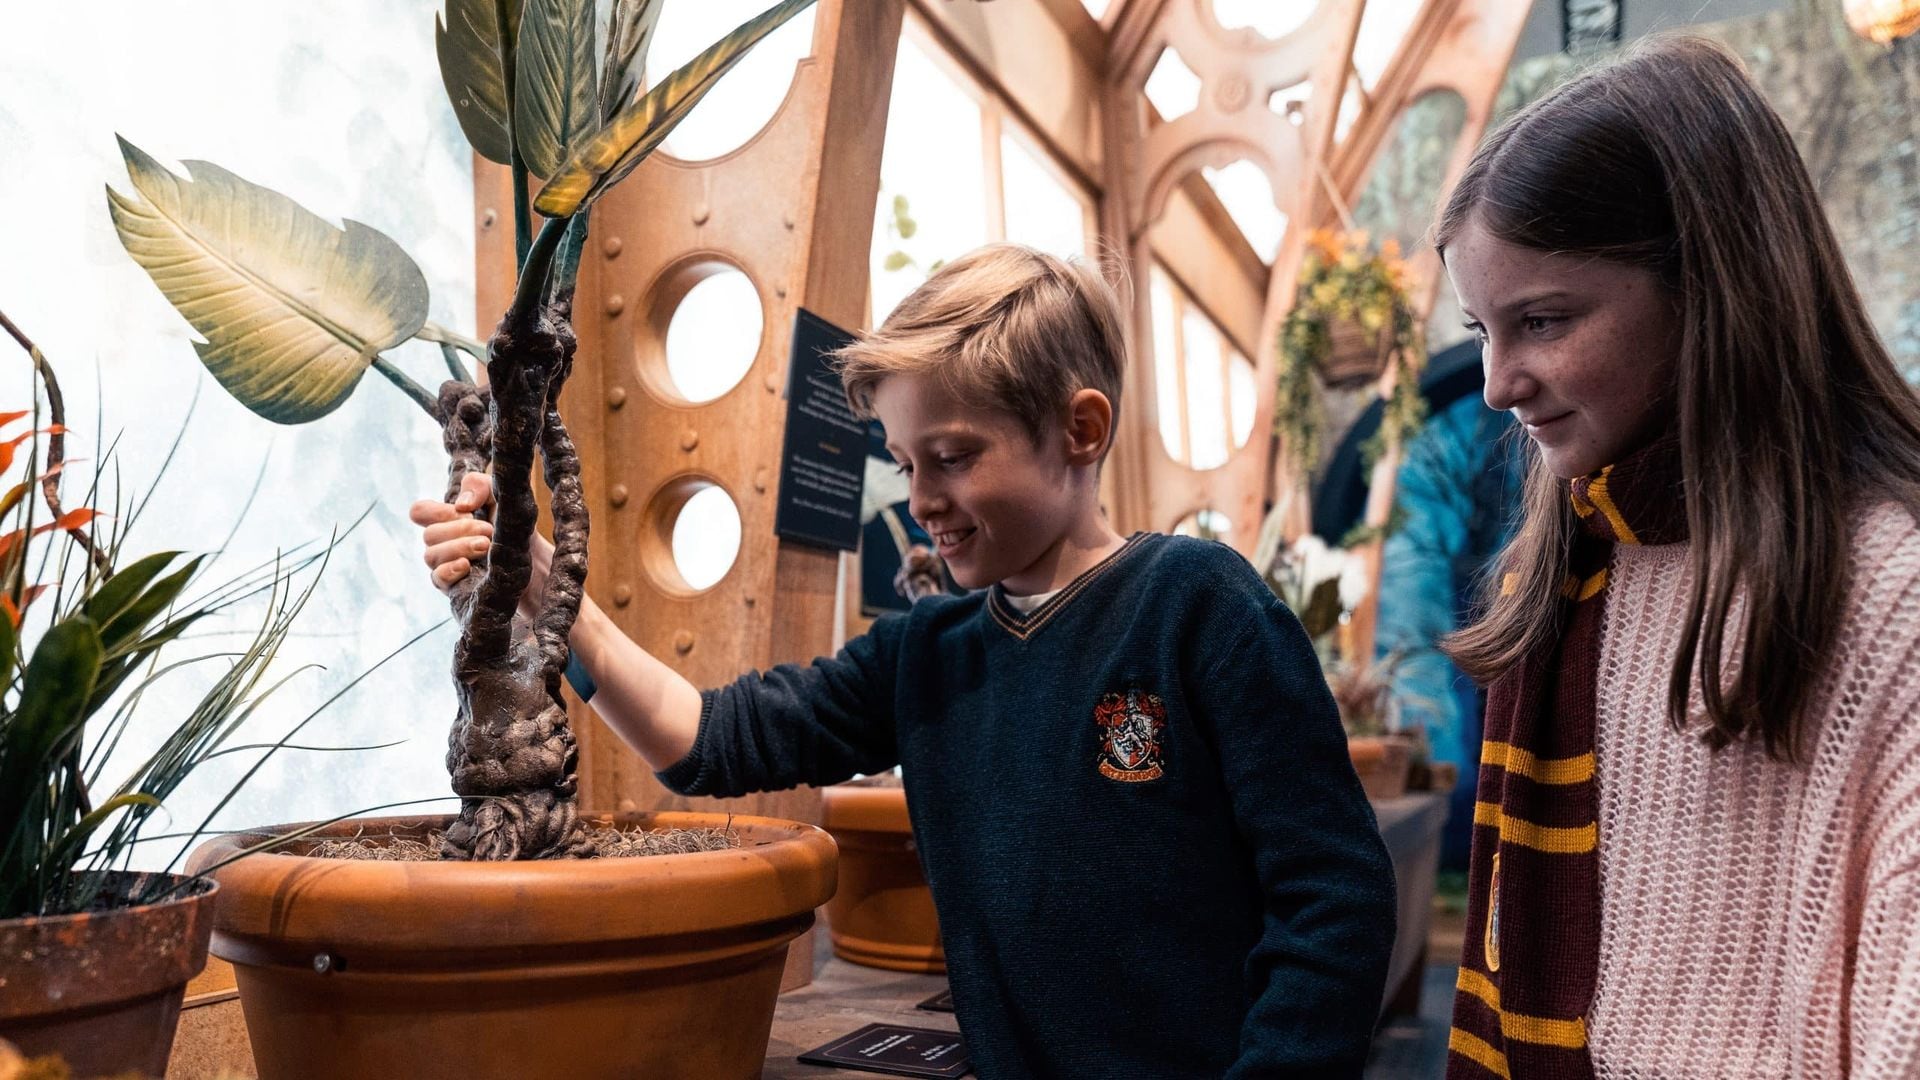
1382,762
103,989
882,916
660,966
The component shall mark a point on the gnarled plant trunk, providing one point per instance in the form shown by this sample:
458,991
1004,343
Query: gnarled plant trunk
511,754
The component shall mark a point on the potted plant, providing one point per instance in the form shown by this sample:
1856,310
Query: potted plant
882,913
1323,585
1382,756
94,957
511,953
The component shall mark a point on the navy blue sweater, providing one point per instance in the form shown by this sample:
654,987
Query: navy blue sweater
1134,805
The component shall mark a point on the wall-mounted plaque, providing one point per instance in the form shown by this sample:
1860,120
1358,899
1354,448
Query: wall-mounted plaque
823,457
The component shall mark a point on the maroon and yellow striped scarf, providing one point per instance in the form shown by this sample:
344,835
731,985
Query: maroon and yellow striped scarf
1533,904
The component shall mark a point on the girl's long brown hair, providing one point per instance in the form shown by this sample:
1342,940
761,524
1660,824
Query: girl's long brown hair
1791,415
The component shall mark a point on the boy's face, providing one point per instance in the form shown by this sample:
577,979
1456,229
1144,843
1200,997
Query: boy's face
993,501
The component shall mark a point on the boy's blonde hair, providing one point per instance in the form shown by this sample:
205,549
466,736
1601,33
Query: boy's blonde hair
1003,327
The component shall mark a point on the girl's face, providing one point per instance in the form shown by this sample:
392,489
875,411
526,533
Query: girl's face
1581,351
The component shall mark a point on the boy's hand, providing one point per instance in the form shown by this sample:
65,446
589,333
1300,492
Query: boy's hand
455,539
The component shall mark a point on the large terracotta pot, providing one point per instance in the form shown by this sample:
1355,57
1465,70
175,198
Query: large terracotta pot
103,989
882,916
662,966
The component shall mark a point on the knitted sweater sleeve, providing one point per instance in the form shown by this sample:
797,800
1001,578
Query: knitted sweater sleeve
1885,991
816,724
1316,976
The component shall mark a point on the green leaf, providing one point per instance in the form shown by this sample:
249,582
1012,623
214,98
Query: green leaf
629,33
294,310
897,260
555,99
73,840
51,714
133,618
618,148
474,66
124,586
906,227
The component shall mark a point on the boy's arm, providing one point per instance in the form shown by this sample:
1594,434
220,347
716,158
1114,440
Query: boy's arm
816,725
819,724
1317,976
649,705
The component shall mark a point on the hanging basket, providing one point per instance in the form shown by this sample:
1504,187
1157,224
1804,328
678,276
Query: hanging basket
1357,357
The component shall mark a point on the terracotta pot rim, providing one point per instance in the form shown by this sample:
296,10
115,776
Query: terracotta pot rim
205,886
869,808
157,947
783,869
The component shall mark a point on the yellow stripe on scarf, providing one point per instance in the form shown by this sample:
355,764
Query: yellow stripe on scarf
1554,840
1581,591
1597,492
1569,1034
1474,1048
1514,759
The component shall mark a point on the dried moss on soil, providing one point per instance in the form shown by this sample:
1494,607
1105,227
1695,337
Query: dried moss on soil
608,843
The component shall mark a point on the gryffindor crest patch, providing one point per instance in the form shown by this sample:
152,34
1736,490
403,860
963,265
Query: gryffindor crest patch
1132,725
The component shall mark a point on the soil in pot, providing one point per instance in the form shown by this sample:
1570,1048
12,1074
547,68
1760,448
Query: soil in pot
882,915
102,989
666,966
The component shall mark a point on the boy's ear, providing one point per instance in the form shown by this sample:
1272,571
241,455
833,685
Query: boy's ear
1089,427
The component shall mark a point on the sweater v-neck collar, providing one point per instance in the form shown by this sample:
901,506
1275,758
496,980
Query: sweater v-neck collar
1025,625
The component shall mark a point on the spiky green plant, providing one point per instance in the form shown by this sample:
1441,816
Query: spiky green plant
69,690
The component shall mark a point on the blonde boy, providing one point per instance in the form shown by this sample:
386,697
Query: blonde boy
1127,779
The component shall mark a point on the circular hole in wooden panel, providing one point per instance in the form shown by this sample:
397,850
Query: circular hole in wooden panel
742,102
691,537
1206,525
705,321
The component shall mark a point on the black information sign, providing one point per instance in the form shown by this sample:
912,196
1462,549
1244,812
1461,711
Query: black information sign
901,1051
940,1002
823,459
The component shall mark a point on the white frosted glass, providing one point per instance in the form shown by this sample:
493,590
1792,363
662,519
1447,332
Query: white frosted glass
1284,100
1382,26
706,537
1206,392
1166,366
1172,86
740,105
932,157
338,104
713,336
1272,19
1240,395
1042,212
1244,191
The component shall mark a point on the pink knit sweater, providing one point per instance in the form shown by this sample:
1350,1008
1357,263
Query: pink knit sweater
1761,919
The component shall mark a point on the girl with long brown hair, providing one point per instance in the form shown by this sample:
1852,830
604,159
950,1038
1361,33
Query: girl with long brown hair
1697,835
